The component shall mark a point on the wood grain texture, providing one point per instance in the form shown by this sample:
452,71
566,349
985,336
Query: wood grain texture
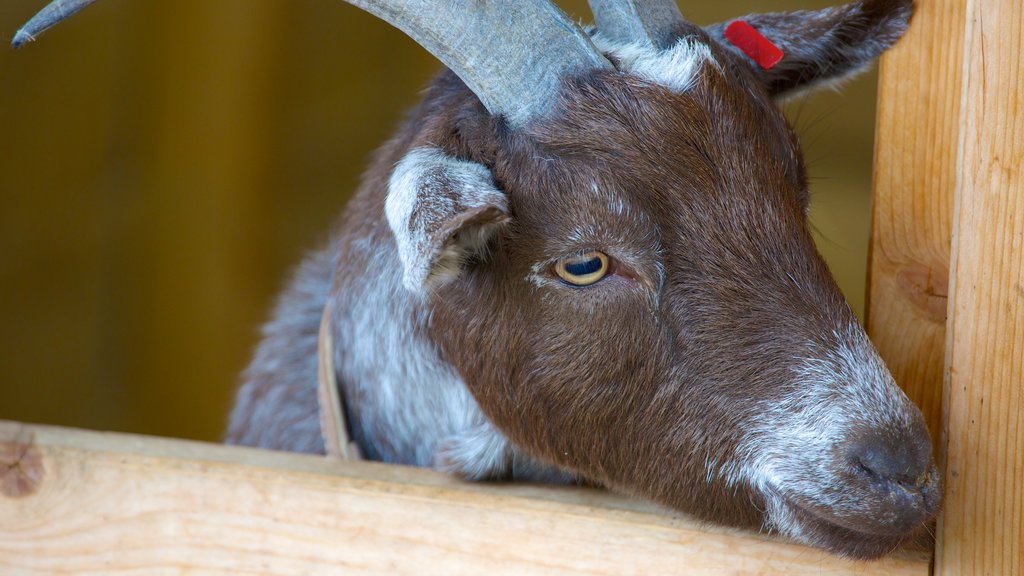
915,175
114,503
982,528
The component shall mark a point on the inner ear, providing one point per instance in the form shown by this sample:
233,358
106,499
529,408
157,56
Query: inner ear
820,47
442,211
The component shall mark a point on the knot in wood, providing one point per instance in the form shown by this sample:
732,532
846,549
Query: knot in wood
926,288
21,467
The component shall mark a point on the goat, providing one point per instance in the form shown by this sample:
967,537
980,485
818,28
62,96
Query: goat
591,263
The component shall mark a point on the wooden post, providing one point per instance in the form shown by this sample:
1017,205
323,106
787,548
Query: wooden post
950,195
982,527
915,174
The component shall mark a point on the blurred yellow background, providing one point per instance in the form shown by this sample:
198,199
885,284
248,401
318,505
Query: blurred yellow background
164,164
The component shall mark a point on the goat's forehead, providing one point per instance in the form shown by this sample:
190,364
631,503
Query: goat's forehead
584,196
615,120
585,211
633,154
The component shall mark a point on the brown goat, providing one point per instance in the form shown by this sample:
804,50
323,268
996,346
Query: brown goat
593,264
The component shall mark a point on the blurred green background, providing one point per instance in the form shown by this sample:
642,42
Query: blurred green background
164,164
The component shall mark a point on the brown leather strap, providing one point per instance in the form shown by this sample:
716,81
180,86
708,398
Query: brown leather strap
332,415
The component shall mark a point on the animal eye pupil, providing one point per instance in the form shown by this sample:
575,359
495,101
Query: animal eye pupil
584,267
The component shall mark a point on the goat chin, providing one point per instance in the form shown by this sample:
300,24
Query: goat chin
811,528
888,516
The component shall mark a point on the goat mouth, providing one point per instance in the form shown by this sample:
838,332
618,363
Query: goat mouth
811,525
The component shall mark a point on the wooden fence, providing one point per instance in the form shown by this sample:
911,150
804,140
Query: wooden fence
946,311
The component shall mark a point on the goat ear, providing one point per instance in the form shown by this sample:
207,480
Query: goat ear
823,46
442,211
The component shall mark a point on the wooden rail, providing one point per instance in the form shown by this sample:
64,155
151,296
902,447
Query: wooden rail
81,502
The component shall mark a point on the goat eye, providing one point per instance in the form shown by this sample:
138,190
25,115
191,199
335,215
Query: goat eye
583,270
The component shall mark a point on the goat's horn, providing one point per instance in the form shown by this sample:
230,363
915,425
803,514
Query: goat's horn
512,55
648,21
46,18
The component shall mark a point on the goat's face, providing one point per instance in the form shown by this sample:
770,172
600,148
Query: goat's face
651,313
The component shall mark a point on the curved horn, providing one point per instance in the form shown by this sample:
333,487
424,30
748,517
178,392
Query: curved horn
46,18
512,55
649,21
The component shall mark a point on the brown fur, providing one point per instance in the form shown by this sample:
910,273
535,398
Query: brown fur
734,307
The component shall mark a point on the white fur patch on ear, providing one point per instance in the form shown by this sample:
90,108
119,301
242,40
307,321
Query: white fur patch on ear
676,68
442,210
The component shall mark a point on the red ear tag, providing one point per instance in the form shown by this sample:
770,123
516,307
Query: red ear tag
753,44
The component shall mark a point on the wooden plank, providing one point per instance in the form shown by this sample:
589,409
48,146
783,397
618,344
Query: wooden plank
982,527
915,175
99,503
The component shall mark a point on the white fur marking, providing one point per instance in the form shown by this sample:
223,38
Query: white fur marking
676,68
787,450
411,406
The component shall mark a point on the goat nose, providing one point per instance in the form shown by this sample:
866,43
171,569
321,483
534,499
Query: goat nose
904,459
900,464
